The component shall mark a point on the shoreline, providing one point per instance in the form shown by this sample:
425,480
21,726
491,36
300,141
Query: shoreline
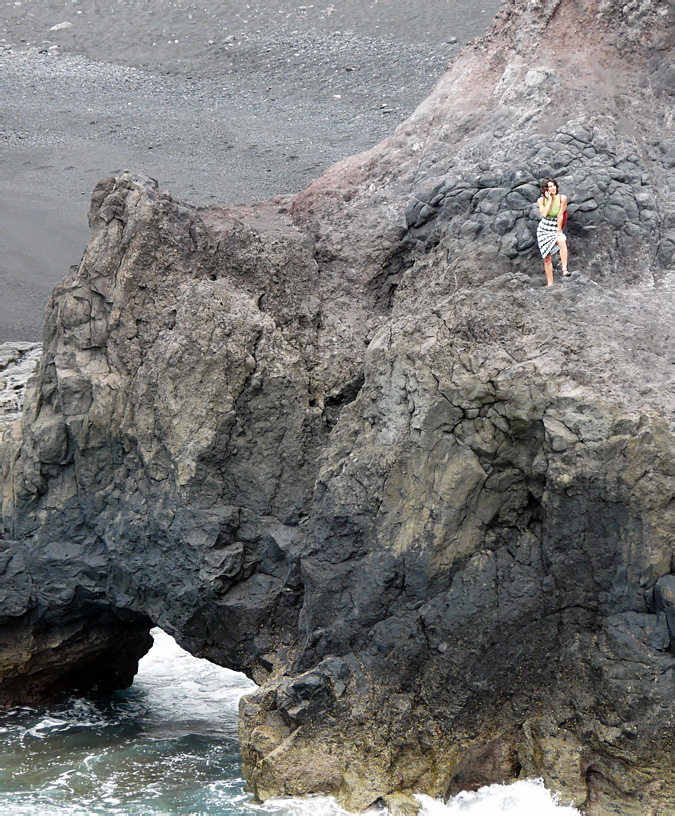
260,112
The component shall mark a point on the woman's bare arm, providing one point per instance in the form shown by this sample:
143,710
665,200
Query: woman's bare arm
545,203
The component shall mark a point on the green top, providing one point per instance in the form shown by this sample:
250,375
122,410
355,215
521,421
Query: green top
555,208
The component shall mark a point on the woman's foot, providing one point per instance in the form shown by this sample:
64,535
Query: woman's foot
566,274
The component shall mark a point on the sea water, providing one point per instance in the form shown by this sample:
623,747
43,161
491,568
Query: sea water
168,747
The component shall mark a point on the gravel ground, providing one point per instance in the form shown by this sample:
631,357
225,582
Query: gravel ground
219,101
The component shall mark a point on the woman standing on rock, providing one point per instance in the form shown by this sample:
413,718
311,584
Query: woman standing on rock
550,237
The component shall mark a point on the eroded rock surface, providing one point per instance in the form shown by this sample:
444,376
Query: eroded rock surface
18,362
346,443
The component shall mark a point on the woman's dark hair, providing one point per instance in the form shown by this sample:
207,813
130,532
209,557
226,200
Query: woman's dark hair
544,185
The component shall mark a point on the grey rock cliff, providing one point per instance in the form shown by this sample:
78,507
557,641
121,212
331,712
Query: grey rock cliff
345,443
17,364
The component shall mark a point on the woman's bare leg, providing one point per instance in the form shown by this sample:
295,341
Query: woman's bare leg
562,243
548,268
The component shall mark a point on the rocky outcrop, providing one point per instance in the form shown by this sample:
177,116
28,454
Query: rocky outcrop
345,443
18,362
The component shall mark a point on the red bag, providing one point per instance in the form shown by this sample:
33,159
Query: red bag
564,221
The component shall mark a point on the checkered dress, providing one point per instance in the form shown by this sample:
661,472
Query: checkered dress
547,236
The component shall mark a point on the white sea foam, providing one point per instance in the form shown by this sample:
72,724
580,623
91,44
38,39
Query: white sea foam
523,798
184,694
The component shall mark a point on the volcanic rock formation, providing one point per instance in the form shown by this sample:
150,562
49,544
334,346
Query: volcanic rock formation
346,443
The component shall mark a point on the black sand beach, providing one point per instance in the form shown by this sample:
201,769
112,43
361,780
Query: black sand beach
218,102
